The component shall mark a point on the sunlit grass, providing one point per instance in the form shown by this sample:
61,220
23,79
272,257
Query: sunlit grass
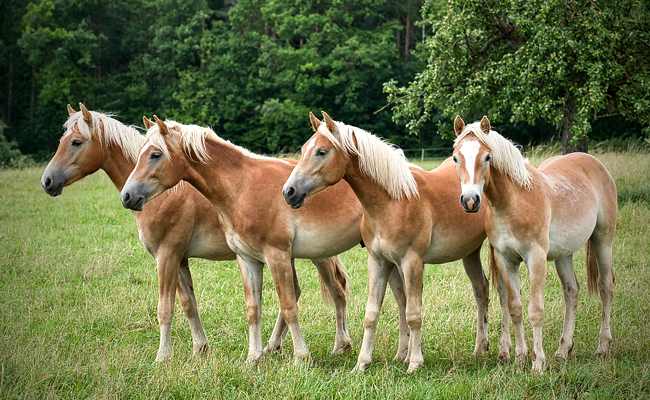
78,296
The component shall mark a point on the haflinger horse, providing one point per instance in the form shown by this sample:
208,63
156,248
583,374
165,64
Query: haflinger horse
539,214
406,222
246,190
178,225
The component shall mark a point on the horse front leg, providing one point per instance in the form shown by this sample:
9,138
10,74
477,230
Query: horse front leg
279,263
251,272
188,302
281,328
397,287
378,273
509,273
413,274
168,270
537,270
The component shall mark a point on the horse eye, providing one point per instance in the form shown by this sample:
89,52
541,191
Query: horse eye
455,159
76,142
155,155
321,152
487,157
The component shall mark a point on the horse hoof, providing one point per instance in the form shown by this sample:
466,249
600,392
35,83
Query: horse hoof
504,356
521,359
539,365
163,357
413,367
302,360
201,350
562,354
272,349
360,367
341,349
254,359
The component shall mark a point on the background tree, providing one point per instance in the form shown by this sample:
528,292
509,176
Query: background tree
566,63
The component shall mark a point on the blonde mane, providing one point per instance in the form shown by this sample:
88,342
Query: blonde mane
125,137
506,157
193,138
383,162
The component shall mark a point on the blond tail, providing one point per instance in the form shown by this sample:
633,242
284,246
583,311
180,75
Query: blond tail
341,278
592,268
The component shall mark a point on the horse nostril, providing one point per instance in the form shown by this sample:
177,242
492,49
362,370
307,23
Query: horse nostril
291,192
126,197
48,183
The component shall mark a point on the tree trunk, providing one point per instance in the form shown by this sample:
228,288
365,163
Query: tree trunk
566,126
407,34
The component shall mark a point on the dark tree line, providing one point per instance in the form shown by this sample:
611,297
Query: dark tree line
253,69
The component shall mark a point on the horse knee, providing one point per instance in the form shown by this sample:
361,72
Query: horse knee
414,320
371,318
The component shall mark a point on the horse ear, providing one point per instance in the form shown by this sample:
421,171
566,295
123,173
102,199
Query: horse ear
71,111
161,125
485,125
315,122
331,125
459,125
87,115
147,122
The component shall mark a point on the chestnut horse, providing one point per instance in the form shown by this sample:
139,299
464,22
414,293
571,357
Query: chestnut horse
246,190
405,222
176,226
539,214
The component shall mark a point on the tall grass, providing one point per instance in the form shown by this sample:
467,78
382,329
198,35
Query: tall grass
78,296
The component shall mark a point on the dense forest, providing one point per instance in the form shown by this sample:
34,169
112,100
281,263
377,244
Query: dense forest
253,69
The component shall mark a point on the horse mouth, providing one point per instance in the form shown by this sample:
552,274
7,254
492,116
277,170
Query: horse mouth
300,202
472,211
55,191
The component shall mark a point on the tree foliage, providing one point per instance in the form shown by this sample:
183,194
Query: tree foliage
566,63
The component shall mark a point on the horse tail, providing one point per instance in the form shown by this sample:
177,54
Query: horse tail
340,279
492,263
592,268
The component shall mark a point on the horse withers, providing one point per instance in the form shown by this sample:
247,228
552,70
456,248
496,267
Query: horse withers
539,214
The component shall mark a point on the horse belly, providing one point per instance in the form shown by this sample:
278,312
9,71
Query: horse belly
320,243
210,246
565,239
442,250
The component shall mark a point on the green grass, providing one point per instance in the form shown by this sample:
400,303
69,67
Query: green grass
78,296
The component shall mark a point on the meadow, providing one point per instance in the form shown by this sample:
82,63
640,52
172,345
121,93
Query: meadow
78,295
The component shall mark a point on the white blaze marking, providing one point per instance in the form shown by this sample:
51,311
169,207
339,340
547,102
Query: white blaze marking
469,150
311,144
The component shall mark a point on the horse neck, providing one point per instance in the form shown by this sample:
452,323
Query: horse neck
222,178
371,195
501,190
116,165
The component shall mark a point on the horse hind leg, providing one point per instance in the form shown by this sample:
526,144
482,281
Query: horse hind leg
603,253
480,286
281,328
570,289
335,282
188,302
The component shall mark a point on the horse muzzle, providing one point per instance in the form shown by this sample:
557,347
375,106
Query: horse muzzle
471,202
294,197
132,197
53,182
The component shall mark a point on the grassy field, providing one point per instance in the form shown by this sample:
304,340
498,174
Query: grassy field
78,297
